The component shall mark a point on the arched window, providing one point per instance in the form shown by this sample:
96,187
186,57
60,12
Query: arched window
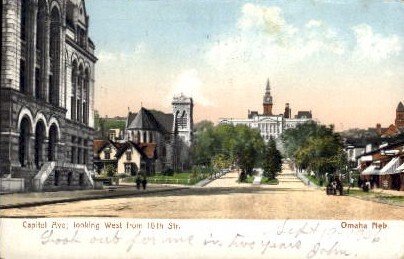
86,95
24,19
181,119
23,147
79,94
39,141
23,36
74,91
54,56
41,18
53,135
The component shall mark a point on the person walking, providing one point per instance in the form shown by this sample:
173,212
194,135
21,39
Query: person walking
138,182
144,183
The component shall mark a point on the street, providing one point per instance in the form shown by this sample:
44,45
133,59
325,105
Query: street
225,198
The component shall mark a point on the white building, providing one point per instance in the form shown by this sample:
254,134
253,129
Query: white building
270,125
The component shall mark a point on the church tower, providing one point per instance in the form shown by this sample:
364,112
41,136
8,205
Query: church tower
400,116
183,118
183,131
267,100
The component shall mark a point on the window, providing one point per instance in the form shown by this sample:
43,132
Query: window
128,168
181,120
129,156
24,12
107,155
37,83
22,76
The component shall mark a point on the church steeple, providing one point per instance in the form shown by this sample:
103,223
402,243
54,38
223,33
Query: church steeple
267,100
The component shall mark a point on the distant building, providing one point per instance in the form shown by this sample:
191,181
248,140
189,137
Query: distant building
394,129
399,122
270,125
170,132
384,167
127,158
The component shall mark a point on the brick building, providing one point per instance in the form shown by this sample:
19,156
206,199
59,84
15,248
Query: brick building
47,95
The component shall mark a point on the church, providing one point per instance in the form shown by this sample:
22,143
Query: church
269,124
47,96
170,133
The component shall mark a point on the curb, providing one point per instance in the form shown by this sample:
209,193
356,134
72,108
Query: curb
94,197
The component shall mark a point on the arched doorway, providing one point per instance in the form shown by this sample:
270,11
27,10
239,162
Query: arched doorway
23,145
39,140
53,138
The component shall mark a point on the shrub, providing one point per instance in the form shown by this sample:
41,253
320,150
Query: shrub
168,172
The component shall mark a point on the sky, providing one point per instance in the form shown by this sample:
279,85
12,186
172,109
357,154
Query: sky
343,60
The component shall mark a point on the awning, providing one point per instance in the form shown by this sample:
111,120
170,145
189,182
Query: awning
366,159
371,170
391,166
400,169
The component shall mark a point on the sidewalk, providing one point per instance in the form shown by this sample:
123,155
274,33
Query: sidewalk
19,200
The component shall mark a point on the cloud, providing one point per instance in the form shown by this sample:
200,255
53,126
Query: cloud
374,46
189,83
268,20
138,51
264,36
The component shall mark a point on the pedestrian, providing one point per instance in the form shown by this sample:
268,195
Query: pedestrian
308,183
138,182
334,187
144,183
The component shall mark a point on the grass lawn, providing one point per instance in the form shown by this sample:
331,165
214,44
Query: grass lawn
264,180
314,180
177,178
377,196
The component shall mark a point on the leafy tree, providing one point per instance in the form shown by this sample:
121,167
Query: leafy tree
110,170
224,145
220,161
315,147
272,161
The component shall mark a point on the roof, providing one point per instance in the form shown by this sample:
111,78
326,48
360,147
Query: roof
385,147
148,149
98,145
150,120
400,107
125,146
144,120
304,114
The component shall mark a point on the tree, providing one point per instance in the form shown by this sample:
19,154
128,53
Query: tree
220,161
224,145
315,147
272,161
110,170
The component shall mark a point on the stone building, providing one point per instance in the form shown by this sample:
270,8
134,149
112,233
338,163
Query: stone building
171,132
269,124
399,122
47,95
